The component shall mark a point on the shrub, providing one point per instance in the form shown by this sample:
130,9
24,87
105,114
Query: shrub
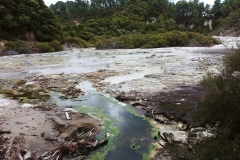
221,104
110,43
10,45
151,44
202,40
22,46
233,61
56,45
173,38
76,40
223,99
19,46
45,47
176,38
212,149
161,42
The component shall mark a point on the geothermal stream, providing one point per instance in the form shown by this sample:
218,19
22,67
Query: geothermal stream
105,73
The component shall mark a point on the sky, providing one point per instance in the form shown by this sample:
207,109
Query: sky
49,2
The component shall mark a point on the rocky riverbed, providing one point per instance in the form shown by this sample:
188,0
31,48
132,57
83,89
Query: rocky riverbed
163,82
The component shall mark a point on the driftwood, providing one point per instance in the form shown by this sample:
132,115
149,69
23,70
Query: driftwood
77,143
67,115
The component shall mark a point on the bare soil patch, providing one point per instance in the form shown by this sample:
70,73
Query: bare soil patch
42,129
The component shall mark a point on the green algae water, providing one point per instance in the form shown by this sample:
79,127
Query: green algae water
129,132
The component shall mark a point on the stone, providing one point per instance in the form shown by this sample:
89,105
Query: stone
174,136
236,74
161,119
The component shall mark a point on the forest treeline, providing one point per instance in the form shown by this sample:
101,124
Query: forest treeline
117,17
83,23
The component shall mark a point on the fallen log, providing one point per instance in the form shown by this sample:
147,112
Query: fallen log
102,142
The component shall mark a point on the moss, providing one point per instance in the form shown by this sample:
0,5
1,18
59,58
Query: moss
25,93
134,146
109,128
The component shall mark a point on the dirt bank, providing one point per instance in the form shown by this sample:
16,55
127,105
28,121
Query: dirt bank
178,105
39,128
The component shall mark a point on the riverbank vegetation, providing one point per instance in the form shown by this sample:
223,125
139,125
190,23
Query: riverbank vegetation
167,39
112,24
220,107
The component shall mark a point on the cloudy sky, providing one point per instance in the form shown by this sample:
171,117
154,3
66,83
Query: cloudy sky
48,2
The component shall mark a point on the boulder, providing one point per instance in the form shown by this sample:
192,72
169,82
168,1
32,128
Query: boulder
174,136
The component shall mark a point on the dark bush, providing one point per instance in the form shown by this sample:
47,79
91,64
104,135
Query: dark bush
56,45
19,46
151,44
173,38
45,47
110,43
221,105
233,61
77,41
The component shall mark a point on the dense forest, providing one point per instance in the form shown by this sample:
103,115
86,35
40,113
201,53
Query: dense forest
22,17
84,23
110,17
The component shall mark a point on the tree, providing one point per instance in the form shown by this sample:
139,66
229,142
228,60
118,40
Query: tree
216,9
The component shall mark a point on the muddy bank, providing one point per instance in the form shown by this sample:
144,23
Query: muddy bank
178,105
37,129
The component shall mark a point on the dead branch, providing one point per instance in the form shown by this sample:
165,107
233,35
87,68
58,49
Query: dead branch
76,144
8,153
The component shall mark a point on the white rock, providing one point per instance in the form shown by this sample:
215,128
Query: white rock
26,105
29,83
122,104
70,109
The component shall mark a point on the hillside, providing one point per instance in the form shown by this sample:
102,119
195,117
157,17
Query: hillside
230,26
28,20
85,20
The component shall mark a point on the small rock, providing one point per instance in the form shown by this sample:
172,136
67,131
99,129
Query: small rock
162,119
26,105
236,74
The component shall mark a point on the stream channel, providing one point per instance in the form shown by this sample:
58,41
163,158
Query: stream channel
128,129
